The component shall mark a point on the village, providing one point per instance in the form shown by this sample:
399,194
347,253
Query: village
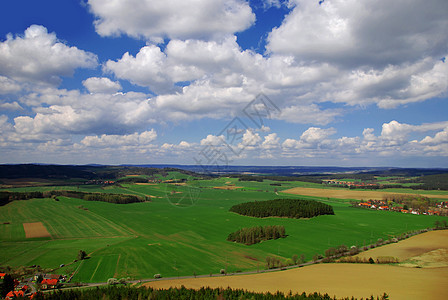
29,287
350,184
439,209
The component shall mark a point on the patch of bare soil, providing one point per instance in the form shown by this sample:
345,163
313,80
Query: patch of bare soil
227,187
35,230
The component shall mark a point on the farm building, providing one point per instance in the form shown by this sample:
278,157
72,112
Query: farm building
15,295
49,284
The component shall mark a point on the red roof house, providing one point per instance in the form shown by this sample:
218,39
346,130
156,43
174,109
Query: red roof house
14,294
49,284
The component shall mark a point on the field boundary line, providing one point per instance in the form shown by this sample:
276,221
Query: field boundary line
97,266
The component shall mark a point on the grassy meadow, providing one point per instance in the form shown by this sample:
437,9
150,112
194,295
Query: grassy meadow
182,231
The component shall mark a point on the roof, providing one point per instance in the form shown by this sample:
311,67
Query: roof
49,281
13,294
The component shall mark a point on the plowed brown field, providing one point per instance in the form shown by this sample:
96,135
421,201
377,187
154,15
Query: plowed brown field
35,230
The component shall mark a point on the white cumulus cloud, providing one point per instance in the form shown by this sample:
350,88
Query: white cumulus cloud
159,19
39,57
101,85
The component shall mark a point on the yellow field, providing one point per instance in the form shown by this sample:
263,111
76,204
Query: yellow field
346,280
35,230
340,280
346,194
429,248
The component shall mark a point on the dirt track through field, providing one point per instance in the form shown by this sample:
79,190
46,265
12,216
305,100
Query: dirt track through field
35,230
347,194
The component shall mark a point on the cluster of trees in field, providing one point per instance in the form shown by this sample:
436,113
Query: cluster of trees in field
409,201
6,197
132,180
273,262
290,208
103,197
125,292
254,235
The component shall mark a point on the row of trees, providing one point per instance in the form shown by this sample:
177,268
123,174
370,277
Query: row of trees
291,208
103,197
273,262
124,292
254,235
364,260
6,197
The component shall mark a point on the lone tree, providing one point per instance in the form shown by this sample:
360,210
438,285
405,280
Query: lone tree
81,255
295,259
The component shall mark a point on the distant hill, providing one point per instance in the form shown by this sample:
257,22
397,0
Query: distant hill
88,172
91,172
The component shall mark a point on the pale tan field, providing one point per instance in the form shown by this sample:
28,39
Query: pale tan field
347,194
35,230
227,187
429,248
340,280
346,280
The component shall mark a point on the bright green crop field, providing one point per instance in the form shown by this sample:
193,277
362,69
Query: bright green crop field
182,231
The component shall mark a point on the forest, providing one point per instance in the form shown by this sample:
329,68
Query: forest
123,292
290,208
254,235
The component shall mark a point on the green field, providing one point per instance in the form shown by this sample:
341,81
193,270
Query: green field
182,231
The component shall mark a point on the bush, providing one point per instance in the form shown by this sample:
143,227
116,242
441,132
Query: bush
112,281
156,276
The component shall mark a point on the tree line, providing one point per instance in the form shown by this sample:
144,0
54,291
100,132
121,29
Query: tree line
6,197
290,208
103,197
125,292
254,235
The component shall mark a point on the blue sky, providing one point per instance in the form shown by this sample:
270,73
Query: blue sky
356,83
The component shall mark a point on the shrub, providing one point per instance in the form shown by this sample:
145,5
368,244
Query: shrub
156,276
